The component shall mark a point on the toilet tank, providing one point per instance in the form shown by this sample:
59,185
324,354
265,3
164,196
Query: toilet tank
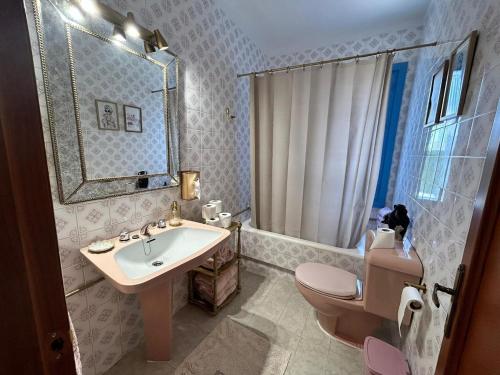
386,270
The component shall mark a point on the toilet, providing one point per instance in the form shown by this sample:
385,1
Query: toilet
351,309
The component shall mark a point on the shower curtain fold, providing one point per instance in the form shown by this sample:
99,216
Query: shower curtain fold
316,143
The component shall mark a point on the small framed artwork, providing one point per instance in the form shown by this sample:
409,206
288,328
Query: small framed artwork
107,115
133,118
458,77
436,93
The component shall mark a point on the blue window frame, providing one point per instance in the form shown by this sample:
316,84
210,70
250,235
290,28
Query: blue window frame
398,78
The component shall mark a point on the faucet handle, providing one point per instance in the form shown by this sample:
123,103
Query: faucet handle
124,236
162,223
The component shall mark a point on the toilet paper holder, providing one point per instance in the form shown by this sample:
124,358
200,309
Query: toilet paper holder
422,287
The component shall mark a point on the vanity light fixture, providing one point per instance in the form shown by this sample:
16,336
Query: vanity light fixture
130,26
160,40
119,34
122,25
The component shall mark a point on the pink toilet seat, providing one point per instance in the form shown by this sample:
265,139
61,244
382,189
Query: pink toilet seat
327,280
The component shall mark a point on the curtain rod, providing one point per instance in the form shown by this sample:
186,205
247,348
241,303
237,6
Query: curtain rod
301,66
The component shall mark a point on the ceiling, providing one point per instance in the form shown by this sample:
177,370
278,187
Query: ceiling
284,26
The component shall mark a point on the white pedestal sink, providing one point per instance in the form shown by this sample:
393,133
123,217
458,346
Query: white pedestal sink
146,266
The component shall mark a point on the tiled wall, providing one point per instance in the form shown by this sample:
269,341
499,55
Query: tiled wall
287,252
439,227
398,38
212,50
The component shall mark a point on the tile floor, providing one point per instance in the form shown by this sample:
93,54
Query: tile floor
272,306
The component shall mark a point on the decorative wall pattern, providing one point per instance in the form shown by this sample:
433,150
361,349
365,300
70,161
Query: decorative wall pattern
456,152
288,253
109,73
212,50
384,41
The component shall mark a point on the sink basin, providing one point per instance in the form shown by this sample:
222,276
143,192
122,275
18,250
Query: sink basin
138,264
163,250
147,265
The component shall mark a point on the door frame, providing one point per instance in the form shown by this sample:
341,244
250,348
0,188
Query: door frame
33,311
479,241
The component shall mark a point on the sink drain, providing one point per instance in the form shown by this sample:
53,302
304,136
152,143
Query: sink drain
157,263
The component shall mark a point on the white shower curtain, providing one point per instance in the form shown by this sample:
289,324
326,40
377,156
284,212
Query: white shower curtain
316,144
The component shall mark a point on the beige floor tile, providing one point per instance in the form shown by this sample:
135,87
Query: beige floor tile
272,307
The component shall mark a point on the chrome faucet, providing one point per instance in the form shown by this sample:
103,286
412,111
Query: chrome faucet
145,229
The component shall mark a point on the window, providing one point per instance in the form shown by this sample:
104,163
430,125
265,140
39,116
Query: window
436,162
391,126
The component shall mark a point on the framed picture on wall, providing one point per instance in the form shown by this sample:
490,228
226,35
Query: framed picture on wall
458,77
436,94
133,118
107,115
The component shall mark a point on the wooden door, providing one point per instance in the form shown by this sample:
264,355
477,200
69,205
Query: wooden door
481,353
473,346
33,316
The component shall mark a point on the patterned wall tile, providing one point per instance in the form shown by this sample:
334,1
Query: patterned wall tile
211,50
287,253
441,220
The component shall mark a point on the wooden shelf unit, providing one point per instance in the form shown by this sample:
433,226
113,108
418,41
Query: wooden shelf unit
212,308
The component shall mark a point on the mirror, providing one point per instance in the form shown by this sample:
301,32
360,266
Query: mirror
112,109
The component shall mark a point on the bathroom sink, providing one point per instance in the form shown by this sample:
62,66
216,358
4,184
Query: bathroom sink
148,264
138,264
163,251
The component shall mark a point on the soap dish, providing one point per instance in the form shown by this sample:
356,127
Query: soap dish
101,246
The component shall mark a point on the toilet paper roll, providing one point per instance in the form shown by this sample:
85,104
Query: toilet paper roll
197,188
208,211
384,239
225,219
215,221
218,205
411,300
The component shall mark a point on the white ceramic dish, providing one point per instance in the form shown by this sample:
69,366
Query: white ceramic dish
101,246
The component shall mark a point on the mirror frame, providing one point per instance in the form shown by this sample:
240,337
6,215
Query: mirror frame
65,198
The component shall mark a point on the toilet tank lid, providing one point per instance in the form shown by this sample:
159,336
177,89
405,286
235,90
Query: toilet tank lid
384,359
397,259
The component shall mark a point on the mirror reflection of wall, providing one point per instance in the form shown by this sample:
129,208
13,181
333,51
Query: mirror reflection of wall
122,121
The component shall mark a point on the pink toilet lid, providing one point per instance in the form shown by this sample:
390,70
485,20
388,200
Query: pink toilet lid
384,359
327,279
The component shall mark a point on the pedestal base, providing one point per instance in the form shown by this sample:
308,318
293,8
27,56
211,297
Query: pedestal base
156,305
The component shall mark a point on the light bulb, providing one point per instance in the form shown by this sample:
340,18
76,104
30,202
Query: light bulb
89,6
118,34
75,13
131,27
